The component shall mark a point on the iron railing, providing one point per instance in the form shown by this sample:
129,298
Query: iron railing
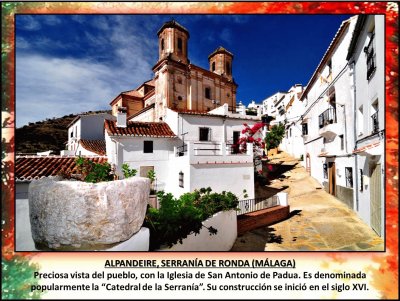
233,148
327,117
251,205
370,51
375,123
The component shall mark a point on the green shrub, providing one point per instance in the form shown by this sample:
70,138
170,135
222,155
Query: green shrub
94,172
274,136
178,218
128,172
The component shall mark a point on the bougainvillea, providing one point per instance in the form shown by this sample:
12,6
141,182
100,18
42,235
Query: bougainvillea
249,133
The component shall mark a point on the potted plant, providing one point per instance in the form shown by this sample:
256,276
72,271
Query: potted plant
88,210
151,174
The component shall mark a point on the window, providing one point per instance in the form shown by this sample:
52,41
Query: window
374,116
360,121
72,134
325,167
148,147
181,179
370,53
341,142
304,129
162,44
228,68
179,44
213,66
204,134
290,132
349,176
207,92
361,180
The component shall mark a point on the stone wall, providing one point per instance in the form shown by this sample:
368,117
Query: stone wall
260,218
345,195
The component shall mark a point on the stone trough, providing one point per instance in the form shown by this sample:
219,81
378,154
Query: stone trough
74,215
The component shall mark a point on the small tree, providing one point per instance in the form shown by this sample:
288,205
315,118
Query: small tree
274,136
151,174
128,172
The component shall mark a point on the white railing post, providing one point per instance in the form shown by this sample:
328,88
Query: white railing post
223,149
283,198
249,148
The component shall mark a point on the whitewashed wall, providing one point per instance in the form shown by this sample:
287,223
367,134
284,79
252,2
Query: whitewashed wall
224,177
226,224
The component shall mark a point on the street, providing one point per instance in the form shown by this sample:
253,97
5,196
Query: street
318,221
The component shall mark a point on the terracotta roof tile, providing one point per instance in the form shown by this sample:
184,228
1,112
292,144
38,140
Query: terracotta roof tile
192,112
95,146
139,129
132,93
28,168
366,147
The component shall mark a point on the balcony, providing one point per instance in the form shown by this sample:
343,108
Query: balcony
375,123
214,153
328,126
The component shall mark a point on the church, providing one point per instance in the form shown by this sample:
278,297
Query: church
182,124
177,83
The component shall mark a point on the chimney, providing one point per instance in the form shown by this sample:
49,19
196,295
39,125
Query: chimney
121,117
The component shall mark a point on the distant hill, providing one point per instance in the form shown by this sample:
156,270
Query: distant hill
50,134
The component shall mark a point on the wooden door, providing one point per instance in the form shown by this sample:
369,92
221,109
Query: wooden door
376,198
332,178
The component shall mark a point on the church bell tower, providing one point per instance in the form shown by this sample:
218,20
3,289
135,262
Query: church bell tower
221,62
173,42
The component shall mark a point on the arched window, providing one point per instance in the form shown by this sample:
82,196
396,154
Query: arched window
179,44
213,66
228,68
162,44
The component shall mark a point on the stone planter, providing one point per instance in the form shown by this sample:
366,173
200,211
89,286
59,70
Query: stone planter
226,224
153,201
74,215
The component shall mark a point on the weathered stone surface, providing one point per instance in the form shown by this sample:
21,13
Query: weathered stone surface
76,214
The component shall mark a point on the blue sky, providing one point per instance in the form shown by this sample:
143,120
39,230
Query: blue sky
75,63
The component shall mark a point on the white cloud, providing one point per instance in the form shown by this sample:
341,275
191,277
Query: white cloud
226,35
52,87
21,43
28,22
51,20
121,55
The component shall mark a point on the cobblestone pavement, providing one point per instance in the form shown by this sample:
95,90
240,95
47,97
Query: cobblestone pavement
318,221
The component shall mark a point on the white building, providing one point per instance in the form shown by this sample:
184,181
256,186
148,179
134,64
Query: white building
329,117
188,150
292,142
366,57
86,135
271,103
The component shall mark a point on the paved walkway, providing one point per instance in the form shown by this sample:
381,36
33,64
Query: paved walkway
318,221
